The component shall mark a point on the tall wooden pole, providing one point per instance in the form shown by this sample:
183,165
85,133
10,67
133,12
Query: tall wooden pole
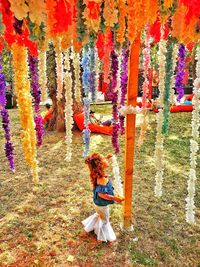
130,130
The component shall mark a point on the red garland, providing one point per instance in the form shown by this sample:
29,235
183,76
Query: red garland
10,35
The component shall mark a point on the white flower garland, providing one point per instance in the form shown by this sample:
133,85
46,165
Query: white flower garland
194,147
117,182
42,74
129,110
159,151
174,61
97,68
68,106
146,66
77,86
59,68
159,155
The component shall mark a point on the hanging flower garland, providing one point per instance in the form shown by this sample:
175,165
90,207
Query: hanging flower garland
168,78
181,72
86,101
59,68
159,152
80,21
194,147
68,105
5,121
117,182
114,97
92,74
42,74
123,84
159,155
123,11
146,67
86,131
174,60
36,95
77,85
24,99
97,69
130,110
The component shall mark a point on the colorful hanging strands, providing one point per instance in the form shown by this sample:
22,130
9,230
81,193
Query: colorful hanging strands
114,98
168,78
117,182
123,85
92,74
59,68
86,101
77,85
180,74
42,74
36,95
5,121
159,151
68,105
174,60
146,67
24,99
194,146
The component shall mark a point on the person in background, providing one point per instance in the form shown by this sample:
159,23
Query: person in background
188,102
48,115
94,120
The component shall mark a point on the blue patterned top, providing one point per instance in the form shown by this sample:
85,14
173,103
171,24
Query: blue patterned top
104,189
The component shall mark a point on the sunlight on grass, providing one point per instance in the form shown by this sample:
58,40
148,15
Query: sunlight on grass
173,137
95,142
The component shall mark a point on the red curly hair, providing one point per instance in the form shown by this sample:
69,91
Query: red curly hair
97,165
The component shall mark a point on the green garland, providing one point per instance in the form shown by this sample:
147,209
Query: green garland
80,21
168,76
102,25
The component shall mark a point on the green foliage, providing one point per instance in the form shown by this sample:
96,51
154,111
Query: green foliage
51,70
169,73
7,66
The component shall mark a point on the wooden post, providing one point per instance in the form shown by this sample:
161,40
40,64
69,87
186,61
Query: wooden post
130,130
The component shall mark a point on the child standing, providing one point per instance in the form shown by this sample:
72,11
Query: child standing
103,196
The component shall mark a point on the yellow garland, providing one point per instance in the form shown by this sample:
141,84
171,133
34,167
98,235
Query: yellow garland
37,10
59,67
42,74
19,8
24,100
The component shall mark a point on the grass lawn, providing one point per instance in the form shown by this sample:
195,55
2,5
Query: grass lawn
41,226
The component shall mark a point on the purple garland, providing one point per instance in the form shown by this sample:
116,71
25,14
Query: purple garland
5,121
180,74
114,97
123,84
36,95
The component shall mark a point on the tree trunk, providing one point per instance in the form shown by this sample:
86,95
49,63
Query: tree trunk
58,119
